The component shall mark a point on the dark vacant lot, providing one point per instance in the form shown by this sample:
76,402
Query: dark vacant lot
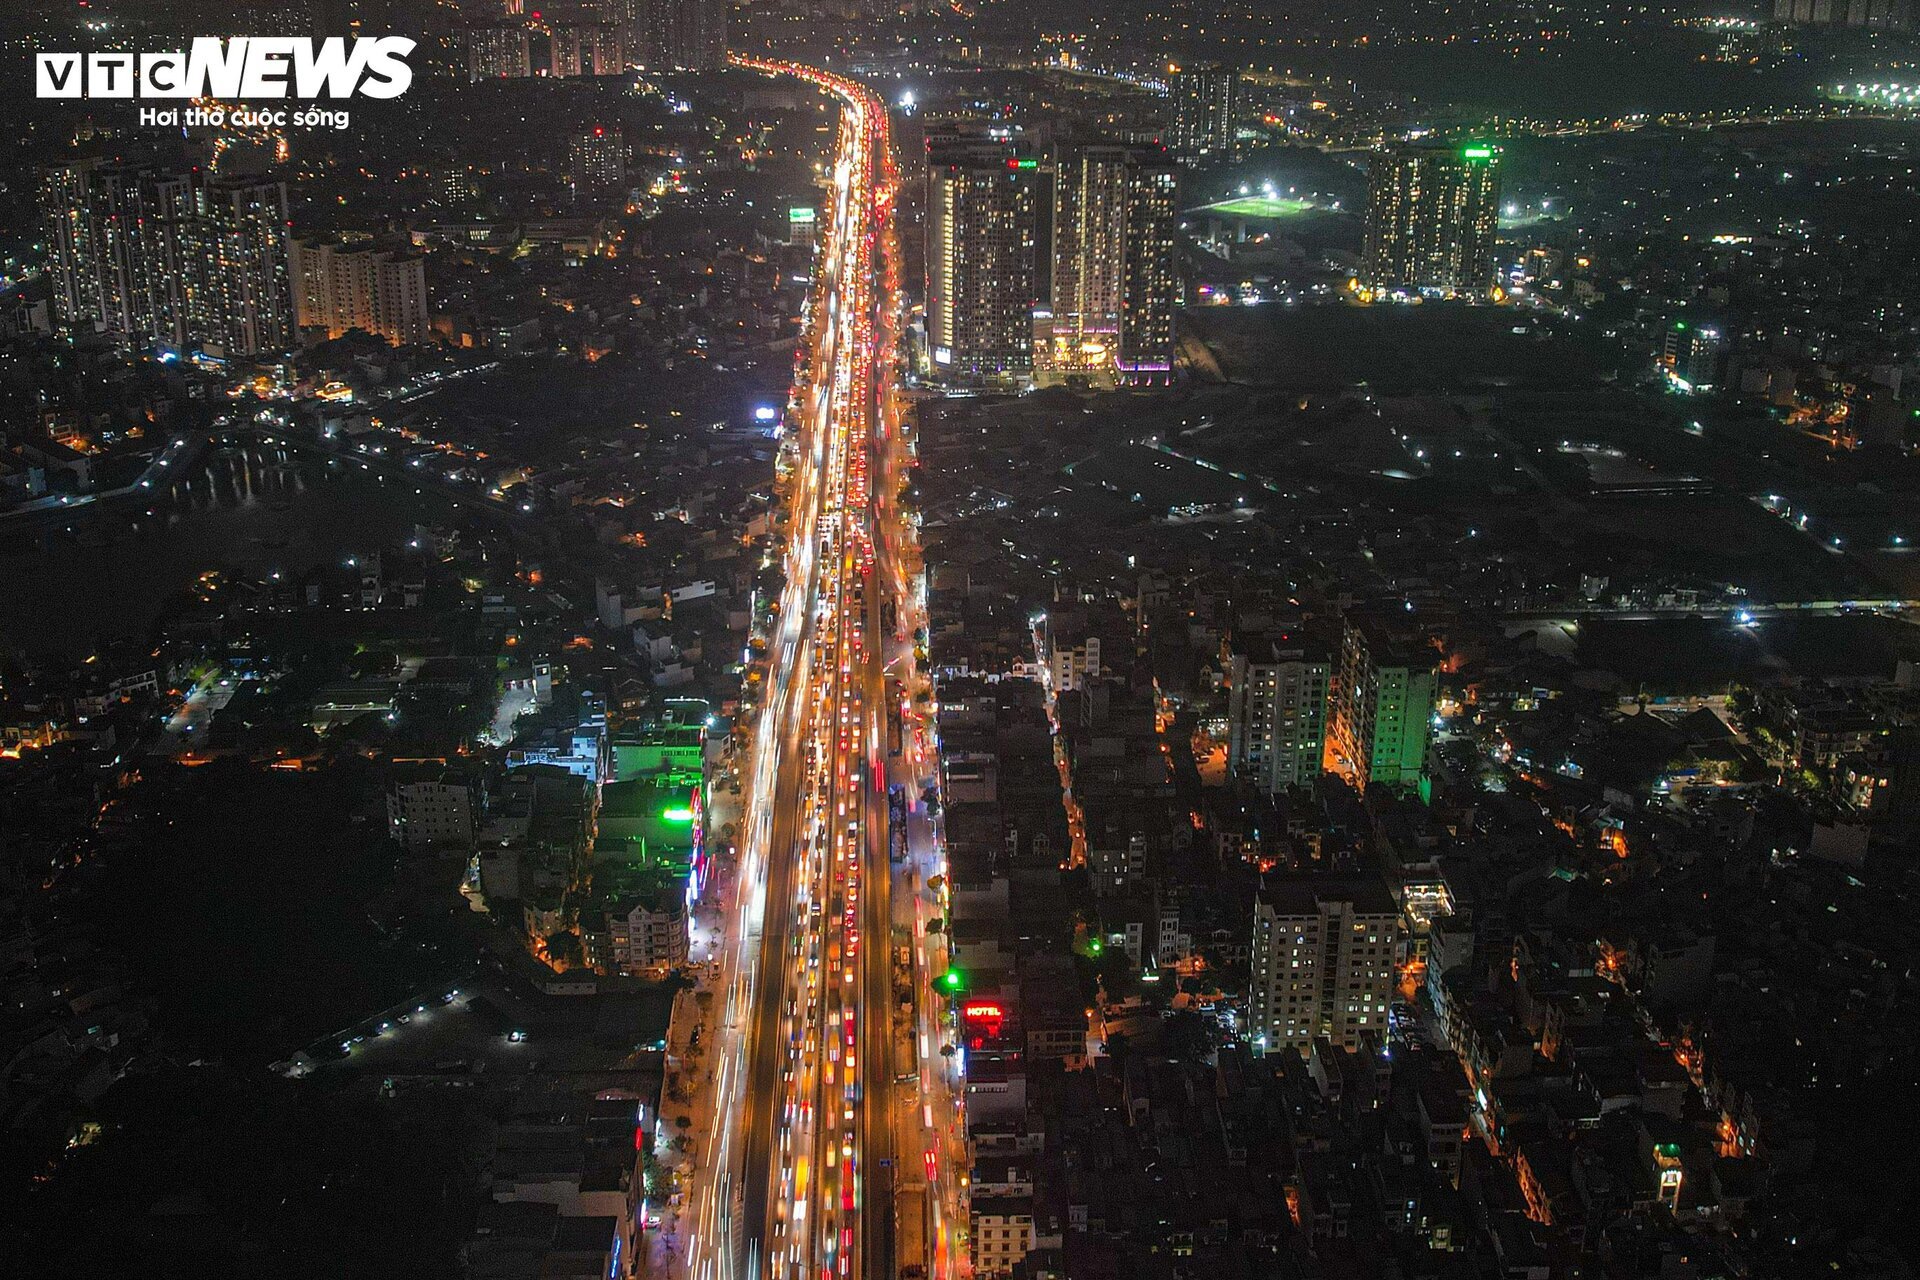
246,904
1392,349
1705,656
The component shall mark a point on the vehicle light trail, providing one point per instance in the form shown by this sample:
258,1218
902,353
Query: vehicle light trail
796,1180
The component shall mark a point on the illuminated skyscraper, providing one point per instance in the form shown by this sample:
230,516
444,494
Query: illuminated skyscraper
236,265
341,286
1323,954
1206,112
175,258
680,35
701,34
597,159
1116,278
984,200
1382,708
456,185
498,51
802,228
585,49
1432,213
1089,243
1279,695
112,254
1150,284
1693,355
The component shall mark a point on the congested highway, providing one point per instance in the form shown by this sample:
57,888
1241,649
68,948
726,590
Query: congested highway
797,1169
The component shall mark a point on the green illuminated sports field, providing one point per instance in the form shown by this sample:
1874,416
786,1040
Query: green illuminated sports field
1260,207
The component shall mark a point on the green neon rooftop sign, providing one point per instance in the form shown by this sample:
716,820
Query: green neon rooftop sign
1477,153
800,213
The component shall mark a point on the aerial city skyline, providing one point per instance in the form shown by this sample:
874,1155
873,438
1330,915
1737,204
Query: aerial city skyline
820,638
